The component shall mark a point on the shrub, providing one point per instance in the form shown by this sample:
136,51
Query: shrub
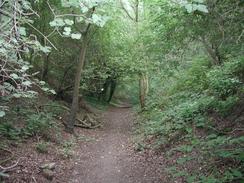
42,147
184,105
39,124
7,130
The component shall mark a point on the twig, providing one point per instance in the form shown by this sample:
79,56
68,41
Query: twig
85,125
51,8
71,15
126,11
89,127
42,35
5,169
34,179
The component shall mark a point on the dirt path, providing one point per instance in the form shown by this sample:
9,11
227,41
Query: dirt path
110,158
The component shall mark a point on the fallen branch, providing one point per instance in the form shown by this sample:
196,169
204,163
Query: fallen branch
83,124
6,169
89,127
93,121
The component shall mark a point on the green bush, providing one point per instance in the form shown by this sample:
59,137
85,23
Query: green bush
7,130
39,124
42,147
222,84
184,103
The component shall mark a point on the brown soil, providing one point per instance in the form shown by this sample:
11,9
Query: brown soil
111,158
104,155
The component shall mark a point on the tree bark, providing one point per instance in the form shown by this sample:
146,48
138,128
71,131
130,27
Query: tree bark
212,51
113,84
143,86
143,77
75,102
45,67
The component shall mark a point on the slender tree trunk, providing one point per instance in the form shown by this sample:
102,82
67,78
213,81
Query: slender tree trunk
45,68
113,84
143,77
75,101
143,85
212,51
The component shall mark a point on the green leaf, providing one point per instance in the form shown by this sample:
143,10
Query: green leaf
45,49
236,173
67,31
76,36
14,76
42,82
24,68
183,160
193,7
84,9
58,22
202,8
17,95
99,20
191,179
2,113
53,92
45,89
79,19
68,22
199,1
26,83
189,8
22,31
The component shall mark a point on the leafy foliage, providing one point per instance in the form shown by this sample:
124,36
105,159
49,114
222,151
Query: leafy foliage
185,108
15,45
191,51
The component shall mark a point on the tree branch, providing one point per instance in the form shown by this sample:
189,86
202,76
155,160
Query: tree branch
126,11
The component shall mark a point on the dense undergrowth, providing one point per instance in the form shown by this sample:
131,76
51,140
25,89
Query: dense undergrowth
31,118
197,115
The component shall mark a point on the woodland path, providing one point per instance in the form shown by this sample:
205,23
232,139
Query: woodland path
109,156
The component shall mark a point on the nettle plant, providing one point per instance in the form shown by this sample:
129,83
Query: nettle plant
15,47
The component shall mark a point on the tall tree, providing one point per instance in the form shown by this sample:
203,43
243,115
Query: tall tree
134,13
76,21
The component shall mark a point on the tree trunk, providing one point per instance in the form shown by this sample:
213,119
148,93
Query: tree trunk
143,86
113,84
45,68
212,51
143,78
75,101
